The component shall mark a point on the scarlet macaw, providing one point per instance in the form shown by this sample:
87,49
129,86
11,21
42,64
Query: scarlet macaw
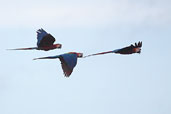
68,61
44,42
126,50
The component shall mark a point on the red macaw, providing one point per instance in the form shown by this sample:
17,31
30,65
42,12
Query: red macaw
44,42
68,61
126,50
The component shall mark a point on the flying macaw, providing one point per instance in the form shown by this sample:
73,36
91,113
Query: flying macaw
124,51
44,42
68,61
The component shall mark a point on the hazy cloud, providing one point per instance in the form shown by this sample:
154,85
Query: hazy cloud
87,14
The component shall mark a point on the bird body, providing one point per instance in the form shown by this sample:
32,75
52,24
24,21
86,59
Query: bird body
45,41
68,61
124,51
130,49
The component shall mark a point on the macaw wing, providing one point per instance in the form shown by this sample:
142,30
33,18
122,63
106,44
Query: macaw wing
125,50
44,39
129,49
68,62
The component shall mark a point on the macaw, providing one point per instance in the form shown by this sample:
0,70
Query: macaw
124,51
68,61
45,41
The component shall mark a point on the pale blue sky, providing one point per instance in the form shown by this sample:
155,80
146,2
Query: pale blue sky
108,84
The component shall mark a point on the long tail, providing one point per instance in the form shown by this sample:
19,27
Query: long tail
50,57
99,53
24,48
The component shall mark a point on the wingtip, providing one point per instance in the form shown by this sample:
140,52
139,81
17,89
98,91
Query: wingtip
139,44
39,30
66,76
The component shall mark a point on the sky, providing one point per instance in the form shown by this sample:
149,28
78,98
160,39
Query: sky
131,84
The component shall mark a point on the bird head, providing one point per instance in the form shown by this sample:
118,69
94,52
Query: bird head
137,50
79,55
58,45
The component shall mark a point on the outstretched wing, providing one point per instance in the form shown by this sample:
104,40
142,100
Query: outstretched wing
68,62
130,49
44,39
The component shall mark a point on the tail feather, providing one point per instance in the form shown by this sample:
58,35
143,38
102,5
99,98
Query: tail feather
99,54
50,57
24,48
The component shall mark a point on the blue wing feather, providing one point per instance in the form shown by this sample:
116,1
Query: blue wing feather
70,60
40,34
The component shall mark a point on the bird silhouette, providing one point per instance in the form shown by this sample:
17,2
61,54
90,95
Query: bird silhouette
45,41
124,51
68,61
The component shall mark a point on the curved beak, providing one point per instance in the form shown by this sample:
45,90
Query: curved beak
59,46
138,50
80,55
